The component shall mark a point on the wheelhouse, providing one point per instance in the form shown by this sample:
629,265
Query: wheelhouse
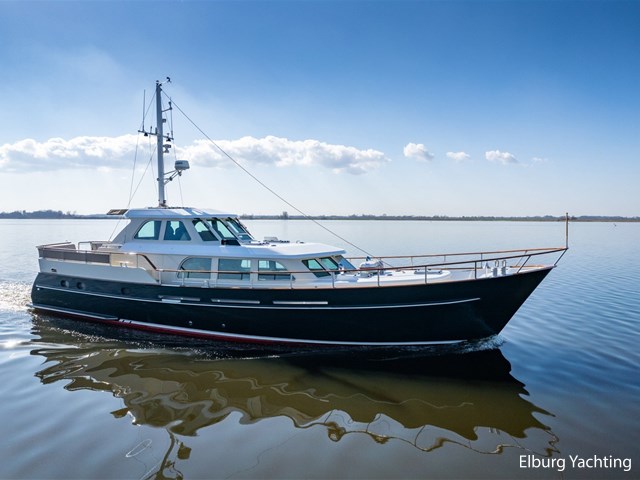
193,246
183,225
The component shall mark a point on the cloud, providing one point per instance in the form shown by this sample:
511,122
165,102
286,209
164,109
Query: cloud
118,152
282,152
30,155
418,152
458,156
504,158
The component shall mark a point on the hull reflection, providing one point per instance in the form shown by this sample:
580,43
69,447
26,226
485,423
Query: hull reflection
424,397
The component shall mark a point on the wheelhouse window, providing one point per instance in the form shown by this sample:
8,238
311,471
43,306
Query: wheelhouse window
149,231
234,269
272,270
175,230
238,229
316,267
221,229
344,263
203,230
321,267
329,263
196,267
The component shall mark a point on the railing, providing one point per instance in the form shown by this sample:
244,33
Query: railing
500,253
68,252
476,267
491,263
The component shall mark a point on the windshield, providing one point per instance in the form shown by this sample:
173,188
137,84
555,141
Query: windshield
221,229
238,229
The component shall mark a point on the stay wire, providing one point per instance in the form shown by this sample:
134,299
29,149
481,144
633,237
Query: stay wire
133,172
132,192
269,189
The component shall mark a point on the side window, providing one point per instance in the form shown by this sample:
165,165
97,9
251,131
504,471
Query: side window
149,231
272,270
344,263
329,263
315,266
196,267
176,230
234,268
203,231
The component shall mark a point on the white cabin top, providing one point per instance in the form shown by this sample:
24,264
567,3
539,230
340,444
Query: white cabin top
190,231
173,212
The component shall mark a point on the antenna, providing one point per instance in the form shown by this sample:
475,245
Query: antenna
144,104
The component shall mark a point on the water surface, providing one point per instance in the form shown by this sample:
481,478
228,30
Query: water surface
563,378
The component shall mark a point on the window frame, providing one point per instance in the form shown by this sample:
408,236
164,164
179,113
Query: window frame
240,274
208,230
318,272
191,273
272,274
166,229
157,227
238,229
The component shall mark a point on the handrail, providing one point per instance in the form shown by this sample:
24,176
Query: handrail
67,251
463,253
63,251
377,270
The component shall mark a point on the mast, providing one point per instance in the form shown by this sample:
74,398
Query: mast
161,147
162,202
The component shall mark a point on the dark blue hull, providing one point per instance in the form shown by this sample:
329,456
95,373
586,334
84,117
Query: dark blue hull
393,315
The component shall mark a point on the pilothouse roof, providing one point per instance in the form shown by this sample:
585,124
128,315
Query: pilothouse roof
177,212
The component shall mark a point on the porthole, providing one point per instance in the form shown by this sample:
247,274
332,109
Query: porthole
125,291
81,285
64,283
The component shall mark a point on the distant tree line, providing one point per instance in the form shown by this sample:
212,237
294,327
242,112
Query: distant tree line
538,218
39,214
286,216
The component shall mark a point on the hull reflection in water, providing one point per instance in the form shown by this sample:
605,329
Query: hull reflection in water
426,397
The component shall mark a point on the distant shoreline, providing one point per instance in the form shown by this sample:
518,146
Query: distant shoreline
53,215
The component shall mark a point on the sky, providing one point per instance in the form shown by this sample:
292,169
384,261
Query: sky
456,108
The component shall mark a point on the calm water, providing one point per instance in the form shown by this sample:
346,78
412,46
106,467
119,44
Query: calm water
562,380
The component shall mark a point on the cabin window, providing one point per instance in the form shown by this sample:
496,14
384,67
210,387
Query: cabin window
329,263
203,231
234,269
196,267
272,270
344,263
175,230
221,229
316,267
149,231
238,229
